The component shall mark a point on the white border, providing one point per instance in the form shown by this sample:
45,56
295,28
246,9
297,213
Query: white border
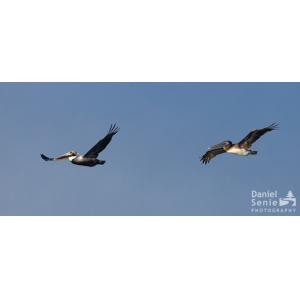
158,40
149,258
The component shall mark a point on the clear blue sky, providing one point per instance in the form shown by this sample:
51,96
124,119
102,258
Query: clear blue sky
152,164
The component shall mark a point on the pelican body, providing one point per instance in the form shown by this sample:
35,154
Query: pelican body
90,158
243,148
86,161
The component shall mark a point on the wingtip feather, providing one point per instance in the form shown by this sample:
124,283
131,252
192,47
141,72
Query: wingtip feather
45,158
274,126
114,129
204,160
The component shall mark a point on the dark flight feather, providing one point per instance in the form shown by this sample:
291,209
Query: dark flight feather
46,158
254,135
211,153
102,144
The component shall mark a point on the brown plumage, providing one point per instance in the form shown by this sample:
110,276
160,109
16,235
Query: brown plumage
242,148
213,152
254,135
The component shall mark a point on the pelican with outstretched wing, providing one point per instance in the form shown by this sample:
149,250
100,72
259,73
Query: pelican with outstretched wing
90,158
243,148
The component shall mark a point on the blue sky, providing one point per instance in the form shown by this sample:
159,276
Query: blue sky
152,164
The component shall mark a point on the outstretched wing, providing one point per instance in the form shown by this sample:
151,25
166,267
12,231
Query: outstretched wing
212,152
62,157
254,135
101,145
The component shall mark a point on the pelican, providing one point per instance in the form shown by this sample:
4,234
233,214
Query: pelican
243,148
90,158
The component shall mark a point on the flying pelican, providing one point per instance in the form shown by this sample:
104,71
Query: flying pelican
90,158
242,148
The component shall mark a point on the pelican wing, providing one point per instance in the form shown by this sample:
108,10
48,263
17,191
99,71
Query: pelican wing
46,158
101,145
254,135
213,152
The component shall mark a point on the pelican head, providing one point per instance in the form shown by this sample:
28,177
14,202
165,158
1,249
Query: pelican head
227,145
72,153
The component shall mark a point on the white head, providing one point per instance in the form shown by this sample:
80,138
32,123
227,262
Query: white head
72,155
